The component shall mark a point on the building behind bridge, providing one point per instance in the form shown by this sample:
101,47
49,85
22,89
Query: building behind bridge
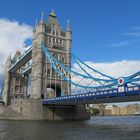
109,110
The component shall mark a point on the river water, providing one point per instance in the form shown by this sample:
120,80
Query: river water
97,128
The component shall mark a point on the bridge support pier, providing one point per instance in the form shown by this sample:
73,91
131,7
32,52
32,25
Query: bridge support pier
65,112
32,109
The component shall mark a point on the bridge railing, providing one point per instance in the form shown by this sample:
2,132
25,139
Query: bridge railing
95,95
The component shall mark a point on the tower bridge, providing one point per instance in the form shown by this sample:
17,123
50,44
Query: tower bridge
54,83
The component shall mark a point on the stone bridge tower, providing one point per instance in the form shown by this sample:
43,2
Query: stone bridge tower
45,81
6,81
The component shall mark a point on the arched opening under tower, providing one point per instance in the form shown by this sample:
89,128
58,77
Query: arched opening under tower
53,91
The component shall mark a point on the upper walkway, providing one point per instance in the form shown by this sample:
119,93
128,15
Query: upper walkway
22,61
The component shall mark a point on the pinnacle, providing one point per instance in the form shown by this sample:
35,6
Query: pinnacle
42,18
68,25
52,13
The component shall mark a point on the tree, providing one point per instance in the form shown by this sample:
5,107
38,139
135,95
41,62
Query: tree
95,111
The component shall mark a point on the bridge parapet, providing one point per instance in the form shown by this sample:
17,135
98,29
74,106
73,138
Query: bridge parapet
131,94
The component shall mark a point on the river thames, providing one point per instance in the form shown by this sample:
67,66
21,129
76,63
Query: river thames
97,128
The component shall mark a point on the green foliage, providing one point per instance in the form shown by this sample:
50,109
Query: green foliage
95,111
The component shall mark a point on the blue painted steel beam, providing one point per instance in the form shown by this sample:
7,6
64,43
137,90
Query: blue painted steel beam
134,75
132,94
92,68
47,53
48,56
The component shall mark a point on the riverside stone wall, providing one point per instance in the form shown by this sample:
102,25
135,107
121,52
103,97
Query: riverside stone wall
32,109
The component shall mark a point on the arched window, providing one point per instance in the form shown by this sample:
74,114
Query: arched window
62,42
55,55
48,71
55,40
57,33
51,39
59,41
44,70
53,72
63,60
48,39
53,32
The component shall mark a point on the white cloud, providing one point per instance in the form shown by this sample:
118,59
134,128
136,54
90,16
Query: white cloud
13,34
133,32
135,28
120,44
117,69
125,43
12,37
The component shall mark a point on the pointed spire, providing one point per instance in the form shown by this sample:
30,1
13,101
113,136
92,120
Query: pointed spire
52,13
68,26
42,19
36,24
9,58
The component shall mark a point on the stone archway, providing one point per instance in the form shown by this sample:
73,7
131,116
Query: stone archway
53,91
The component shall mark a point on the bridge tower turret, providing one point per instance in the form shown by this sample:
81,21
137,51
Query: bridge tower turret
68,37
37,58
68,49
6,96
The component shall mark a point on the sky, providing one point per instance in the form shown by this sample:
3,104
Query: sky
106,33
103,31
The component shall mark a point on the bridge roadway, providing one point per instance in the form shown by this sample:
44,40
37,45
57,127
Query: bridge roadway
22,61
108,96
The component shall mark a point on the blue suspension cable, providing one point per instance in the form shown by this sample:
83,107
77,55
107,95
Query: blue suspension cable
64,67
91,75
60,74
93,69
